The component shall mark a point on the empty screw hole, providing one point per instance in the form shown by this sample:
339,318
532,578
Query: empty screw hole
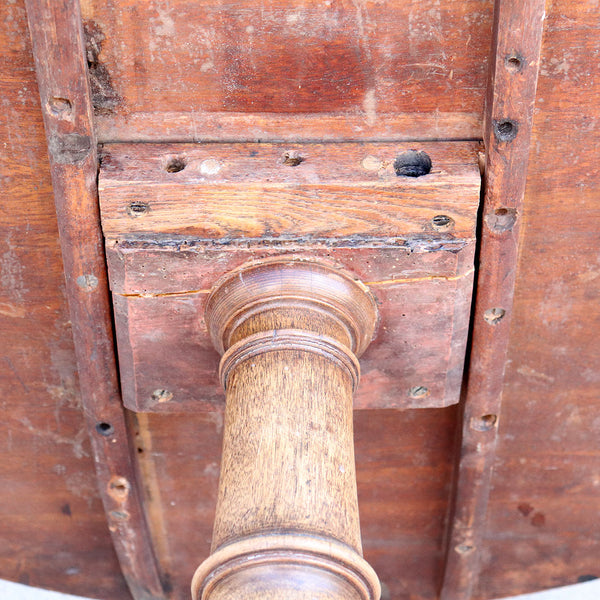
292,158
502,219
442,223
514,63
105,429
505,130
412,163
175,165
484,423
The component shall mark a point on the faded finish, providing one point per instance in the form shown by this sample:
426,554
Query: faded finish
512,89
267,70
53,526
540,528
172,234
58,48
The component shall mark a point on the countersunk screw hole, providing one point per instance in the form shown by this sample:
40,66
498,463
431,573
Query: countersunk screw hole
442,223
292,158
514,63
418,391
494,315
412,163
105,429
137,209
505,130
484,423
175,165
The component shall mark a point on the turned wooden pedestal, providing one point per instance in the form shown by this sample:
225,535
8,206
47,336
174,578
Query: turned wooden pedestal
287,523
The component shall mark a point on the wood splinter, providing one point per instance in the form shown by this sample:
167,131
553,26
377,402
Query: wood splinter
287,522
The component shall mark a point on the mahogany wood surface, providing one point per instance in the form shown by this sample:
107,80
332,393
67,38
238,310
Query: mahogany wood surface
168,363
540,528
58,48
53,531
509,113
403,465
344,203
268,70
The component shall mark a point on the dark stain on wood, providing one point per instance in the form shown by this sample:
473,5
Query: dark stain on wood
69,148
104,97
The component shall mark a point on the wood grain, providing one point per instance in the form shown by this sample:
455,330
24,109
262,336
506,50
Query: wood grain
403,464
270,71
342,202
510,108
542,529
58,48
286,521
164,343
235,192
53,525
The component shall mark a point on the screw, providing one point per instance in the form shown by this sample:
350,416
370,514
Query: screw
442,223
137,208
292,158
119,515
418,391
464,548
161,395
60,107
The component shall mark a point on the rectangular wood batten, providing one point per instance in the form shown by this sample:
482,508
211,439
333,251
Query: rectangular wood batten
177,217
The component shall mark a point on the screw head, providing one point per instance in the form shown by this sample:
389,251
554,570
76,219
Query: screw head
418,391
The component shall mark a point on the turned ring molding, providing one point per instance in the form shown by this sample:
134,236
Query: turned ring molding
290,333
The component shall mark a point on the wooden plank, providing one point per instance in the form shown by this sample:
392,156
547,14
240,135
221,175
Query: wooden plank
265,70
542,526
512,92
53,528
168,363
240,202
58,46
182,127
243,191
